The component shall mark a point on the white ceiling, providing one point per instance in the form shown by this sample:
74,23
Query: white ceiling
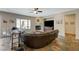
27,11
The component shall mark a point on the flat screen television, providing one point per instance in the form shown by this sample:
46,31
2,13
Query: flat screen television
49,23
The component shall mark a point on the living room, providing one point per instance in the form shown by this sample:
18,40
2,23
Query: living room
33,20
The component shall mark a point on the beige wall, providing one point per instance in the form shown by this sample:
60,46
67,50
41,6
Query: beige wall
10,16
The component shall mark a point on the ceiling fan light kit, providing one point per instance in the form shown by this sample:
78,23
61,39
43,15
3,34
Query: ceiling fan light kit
35,12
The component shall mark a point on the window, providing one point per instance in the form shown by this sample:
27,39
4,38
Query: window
23,23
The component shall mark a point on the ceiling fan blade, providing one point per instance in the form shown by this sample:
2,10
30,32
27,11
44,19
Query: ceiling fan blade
35,9
40,11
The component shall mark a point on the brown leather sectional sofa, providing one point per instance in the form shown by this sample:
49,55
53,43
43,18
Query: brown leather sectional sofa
39,40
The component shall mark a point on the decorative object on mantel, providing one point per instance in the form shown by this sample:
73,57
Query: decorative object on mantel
4,21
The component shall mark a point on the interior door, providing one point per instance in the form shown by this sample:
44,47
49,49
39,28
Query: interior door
70,26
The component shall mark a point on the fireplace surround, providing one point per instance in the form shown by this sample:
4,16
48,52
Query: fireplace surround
38,27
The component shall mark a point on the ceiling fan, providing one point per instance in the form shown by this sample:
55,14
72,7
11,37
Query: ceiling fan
36,11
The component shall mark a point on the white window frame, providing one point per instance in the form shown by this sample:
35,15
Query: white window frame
27,26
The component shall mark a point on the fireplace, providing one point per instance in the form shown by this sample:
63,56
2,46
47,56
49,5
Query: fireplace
38,27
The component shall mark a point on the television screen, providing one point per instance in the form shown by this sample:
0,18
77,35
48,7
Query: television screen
49,23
